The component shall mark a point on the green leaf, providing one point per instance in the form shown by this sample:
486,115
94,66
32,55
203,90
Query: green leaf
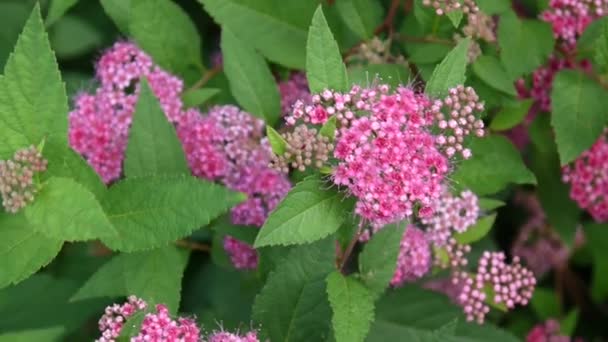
57,9
516,36
567,326
455,17
361,16
392,74
277,142
46,334
324,66
197,97
489,70
511,115
23,251
597,237
328,129
490,203
13,15
450,72
579,113
546,303
378,260
154,275
493,7
554,195
308,213
352,305
278,32
600,48
480,174
66,210
293,304
165,31
149,212
251,81
73,36
153,147
119,11
69,164
414,314
33,103
477,231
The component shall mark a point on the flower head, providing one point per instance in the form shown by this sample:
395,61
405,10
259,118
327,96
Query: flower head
414,259
17,187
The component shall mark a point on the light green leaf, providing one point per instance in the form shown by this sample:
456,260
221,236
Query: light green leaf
57,9
450,72
154,275
308,213
73,36
33,103
197,97
489,70
165,31
153,147
328,129
251,81
293,304
277,32
23,251
149,212
392,74
324,66
352,305
597,237
361,16
511,115
68,164
477,231
455,17
32,335
66,210
579,113
378,260
480,174
493,7
119,11
277,142
600,48
517,35
490,203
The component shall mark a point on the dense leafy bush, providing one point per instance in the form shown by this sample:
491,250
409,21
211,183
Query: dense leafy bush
304,170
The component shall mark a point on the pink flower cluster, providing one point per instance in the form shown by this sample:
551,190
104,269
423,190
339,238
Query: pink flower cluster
588,178
570,18
158,326
549,331
451,214
414,259
293,89
510,284
242,255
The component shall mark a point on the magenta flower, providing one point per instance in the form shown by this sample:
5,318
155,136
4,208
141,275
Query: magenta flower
414,259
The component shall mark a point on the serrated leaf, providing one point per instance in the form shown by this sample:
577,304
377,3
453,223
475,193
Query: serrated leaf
477,231
378,260
33,103
455,17
490,203
251,81
277,142
153,147
293,304
69,164
308,213
489,70
391,74
57,9
597,237
328,129
119,11
414,314
511,115
352,305
450,72
324,66
361,16
166,32
64,209
516,35
149,212
23,251
579,113
277,32
31,335
197,97
480,174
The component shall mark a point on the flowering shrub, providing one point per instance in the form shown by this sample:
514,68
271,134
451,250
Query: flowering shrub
336,170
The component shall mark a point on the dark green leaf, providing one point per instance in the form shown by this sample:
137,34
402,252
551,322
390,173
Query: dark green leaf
546,303
328,129
32,335
57,9
511,115
490,203
451,72
361,16
597,237
352,305
73,36
119,11
197,97
489,70
567,325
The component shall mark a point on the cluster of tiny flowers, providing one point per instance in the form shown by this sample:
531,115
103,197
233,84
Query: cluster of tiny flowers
511,284
242,255
414,259
389,160
588,179
17,186
474,50
223,336
548,331
304,148
451,214
293,89
570,18
375,51
159,326
459,120
446,6
112,321
480,26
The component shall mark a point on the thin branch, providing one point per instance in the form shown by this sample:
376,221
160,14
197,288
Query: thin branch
351,246
387,24
428,39
194,246
206,77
